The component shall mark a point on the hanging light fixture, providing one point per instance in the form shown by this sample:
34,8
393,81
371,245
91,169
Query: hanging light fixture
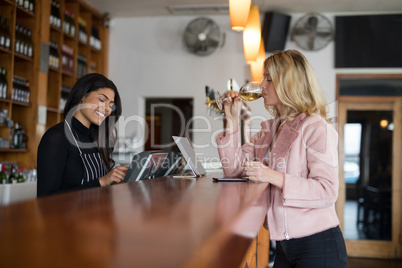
256,67
239,11
252,35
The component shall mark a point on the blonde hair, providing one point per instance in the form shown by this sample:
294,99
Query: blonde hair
296,85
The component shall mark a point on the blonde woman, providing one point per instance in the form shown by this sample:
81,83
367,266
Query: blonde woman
296,154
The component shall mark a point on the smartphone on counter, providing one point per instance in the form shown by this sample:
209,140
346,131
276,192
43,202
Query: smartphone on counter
229,179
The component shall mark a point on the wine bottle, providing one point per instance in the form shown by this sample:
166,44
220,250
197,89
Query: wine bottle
14,88
17,133
31,6
51,56
52,12
57,14
17,39
72,23
26,5
27,93
56,55
3,175
21,38
2,34
20,177
12,178
20,3
7,35
3,82
54,58
82,33
26,41
66,26
30,44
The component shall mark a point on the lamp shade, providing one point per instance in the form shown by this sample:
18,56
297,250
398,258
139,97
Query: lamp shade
256,67
252,35
239,11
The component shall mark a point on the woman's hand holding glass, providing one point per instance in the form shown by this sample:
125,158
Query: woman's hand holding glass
232,107
250,91
232,104
257,171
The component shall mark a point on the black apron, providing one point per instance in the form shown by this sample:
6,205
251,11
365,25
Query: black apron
94,165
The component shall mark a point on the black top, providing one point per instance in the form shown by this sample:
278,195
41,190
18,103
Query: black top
60,167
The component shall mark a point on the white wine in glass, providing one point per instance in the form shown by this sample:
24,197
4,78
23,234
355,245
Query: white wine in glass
248,92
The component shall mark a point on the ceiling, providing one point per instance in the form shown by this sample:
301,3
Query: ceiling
141,8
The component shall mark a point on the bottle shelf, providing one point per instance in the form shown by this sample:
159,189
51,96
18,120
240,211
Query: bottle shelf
69,36
21,10
56,29
57,70
45,87
22,57
12,150
19,103
5,50
84,44
5,100
54,110
10,2
68,74
94,50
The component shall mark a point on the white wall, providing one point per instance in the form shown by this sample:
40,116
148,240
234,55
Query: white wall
147,58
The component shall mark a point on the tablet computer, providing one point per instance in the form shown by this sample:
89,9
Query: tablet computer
145,165
170,165
189,154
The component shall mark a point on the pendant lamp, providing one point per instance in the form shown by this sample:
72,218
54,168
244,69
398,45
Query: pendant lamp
239,11
257,67
252,35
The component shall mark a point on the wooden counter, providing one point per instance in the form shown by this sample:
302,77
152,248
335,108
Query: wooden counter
164,222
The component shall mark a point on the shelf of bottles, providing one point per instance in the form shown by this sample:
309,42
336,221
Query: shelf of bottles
18,23
20,92
23,41
75,32
74,50
5,35
6,50
12,172
26,5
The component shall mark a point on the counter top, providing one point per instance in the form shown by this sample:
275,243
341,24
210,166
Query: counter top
163,222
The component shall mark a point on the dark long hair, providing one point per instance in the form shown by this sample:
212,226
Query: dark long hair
104,135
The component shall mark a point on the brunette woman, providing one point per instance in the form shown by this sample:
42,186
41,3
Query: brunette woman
76,153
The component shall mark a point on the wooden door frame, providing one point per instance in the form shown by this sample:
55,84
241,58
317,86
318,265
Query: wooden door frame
373,248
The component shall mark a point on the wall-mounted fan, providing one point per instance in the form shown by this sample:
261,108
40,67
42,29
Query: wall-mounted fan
203,36
312,32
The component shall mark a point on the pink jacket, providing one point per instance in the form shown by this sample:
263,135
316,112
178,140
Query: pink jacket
306,152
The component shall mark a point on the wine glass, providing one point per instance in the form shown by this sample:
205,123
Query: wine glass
248,92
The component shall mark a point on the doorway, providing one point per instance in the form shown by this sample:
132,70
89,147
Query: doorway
369,203
167,117
368,174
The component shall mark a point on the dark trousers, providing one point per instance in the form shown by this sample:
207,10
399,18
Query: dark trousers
325,249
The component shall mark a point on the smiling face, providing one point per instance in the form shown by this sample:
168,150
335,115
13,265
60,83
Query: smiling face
269,93
95,107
